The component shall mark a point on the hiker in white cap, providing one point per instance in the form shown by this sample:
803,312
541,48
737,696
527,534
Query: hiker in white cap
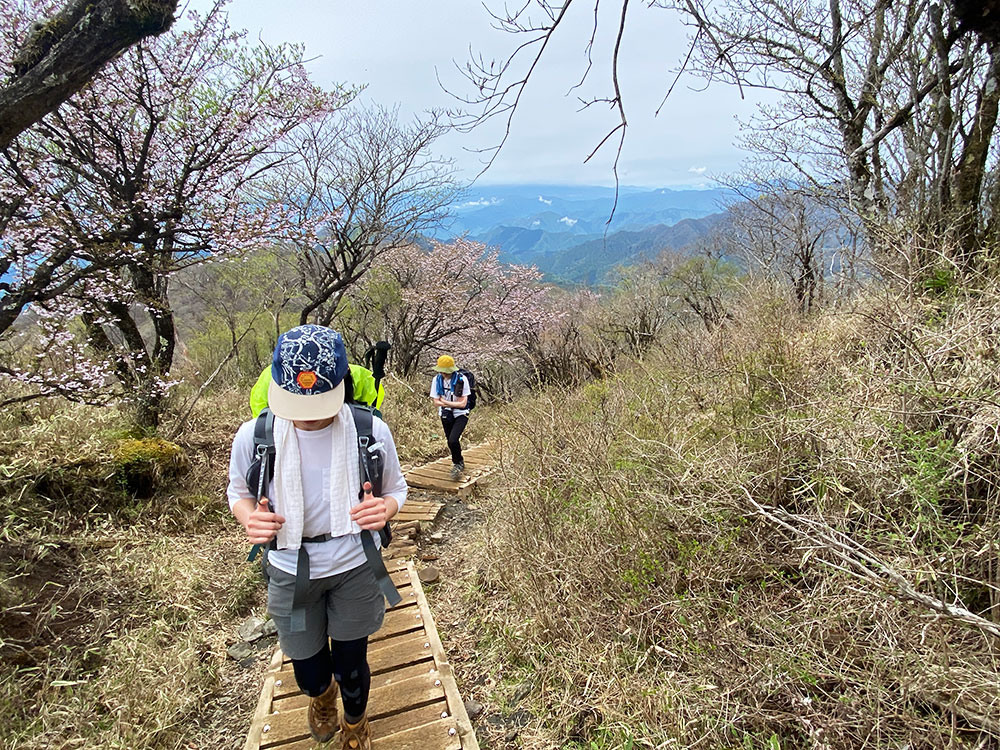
323,593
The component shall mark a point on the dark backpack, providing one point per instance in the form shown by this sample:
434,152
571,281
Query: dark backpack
457,387
473,392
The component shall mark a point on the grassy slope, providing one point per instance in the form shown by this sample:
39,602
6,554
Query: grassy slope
625,592
621,591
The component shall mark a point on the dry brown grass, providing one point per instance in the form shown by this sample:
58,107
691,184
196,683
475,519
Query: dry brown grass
634,585
115,611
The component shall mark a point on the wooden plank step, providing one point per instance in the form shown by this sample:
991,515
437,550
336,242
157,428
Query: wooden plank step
290,722
444,485
436,475
470,459
445,471
419,510
414,701
418,728
422,504
425,472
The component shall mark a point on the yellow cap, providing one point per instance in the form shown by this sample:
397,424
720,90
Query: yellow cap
445,363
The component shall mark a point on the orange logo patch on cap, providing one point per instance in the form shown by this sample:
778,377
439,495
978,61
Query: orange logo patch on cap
306,379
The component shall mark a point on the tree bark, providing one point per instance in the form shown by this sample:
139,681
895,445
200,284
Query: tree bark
972,168
981,16
65,52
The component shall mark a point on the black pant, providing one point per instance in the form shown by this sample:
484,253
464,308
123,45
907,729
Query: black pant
347,663
453,427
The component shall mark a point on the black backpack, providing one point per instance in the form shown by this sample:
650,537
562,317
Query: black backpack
458,387
473,391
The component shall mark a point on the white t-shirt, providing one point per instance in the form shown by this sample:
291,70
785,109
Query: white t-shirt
341,553
445,390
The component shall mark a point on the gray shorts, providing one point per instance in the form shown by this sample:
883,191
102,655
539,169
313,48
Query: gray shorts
344,607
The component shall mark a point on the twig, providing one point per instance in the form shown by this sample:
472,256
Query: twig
862,564
187,413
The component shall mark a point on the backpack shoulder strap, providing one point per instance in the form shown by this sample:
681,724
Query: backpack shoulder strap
263,448
263,430
363,421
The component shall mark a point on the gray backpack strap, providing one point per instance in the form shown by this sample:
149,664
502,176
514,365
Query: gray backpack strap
263,446
368,467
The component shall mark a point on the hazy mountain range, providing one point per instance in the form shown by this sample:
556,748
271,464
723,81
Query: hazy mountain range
565,231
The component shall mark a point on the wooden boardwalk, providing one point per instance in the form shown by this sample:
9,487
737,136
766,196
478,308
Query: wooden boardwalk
479,463
414,704
418,510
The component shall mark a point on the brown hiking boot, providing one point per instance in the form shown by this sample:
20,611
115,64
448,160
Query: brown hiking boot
356,736
323,715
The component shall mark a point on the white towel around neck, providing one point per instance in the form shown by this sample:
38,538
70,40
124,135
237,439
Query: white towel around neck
345,479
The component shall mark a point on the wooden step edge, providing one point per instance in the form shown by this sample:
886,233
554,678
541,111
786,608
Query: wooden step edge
256,731
418,737
455,702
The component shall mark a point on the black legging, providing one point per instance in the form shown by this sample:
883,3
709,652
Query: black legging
453,427
347,663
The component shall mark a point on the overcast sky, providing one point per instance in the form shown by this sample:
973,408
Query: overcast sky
401,49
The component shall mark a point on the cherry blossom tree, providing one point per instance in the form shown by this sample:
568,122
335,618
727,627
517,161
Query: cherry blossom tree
149,170
456,297
563,349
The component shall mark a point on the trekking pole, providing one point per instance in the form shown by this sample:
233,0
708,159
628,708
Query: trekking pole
380,353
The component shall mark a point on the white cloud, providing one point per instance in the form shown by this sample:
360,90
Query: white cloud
568,221
698,170
536,223
542,200
480,202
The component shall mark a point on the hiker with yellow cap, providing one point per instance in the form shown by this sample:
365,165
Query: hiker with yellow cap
450,390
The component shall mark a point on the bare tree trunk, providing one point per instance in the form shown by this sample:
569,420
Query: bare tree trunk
971,170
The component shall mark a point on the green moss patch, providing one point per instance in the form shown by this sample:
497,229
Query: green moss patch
143,465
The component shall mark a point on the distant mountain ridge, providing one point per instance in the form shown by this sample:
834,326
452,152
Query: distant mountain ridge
565,230
591,262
